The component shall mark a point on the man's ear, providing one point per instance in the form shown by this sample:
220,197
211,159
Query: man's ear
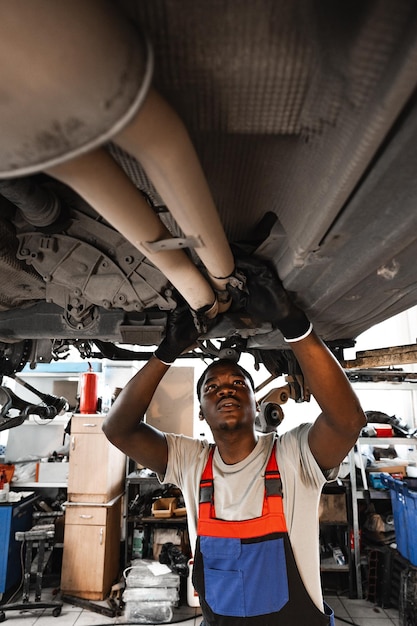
200,415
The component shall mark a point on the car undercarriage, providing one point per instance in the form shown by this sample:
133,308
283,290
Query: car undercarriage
303,116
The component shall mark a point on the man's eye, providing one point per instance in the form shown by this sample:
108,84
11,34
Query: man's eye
238,382
211,387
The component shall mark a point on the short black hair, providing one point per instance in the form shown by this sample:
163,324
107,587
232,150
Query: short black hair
221,362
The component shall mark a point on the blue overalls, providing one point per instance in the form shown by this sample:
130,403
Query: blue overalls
244,571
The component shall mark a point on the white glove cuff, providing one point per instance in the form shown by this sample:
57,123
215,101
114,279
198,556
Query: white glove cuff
306,334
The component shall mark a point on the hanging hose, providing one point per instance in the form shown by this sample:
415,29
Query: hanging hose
39,205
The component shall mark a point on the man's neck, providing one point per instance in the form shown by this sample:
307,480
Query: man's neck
233,448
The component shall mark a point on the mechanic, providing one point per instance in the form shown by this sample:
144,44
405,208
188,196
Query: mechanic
252,499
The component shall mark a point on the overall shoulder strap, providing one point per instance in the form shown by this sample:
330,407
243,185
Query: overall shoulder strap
273,483
206,480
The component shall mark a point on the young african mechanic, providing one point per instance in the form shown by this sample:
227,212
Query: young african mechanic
252,499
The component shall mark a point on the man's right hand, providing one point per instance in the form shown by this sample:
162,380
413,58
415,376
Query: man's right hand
264,298
181,333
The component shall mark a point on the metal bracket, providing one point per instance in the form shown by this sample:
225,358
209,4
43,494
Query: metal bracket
279,395
173,243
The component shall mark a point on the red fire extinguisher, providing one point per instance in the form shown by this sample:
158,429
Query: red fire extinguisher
89,391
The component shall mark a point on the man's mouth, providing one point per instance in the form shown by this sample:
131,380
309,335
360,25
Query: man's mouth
227,404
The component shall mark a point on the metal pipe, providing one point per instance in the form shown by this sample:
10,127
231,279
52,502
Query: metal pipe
159,140
105,186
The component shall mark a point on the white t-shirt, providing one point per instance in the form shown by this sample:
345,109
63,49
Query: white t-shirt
302,482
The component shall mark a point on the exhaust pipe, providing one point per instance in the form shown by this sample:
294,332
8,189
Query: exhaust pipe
80,76
73,73
104,185
159,141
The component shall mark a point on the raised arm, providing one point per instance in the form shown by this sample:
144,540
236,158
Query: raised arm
124,425
337,428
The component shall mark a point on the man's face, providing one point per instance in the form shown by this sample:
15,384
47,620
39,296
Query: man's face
227,399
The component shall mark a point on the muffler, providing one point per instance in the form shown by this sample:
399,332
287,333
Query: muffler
72,74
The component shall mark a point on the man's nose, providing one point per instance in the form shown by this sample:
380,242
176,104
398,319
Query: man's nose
226,390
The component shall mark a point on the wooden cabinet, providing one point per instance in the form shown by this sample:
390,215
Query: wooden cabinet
96,480
91,555
97,468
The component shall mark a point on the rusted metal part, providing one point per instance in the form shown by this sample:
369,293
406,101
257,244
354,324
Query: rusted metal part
383,357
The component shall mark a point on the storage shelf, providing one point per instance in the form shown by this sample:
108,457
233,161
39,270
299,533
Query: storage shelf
34,485
134,479
157,520
145,486
387,441
329,565
374,494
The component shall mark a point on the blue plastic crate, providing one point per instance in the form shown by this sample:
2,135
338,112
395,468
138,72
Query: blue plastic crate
404,508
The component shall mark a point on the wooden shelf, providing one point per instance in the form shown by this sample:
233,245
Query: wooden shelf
164,520
375,494
34,485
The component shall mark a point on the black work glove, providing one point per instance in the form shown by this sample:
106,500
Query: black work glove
258,291
181,332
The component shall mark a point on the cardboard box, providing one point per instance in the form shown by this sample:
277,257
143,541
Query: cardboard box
387,469
164,507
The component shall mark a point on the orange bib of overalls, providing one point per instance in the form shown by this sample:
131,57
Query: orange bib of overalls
244,571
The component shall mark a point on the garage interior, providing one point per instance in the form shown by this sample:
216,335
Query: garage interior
213,132
67,469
